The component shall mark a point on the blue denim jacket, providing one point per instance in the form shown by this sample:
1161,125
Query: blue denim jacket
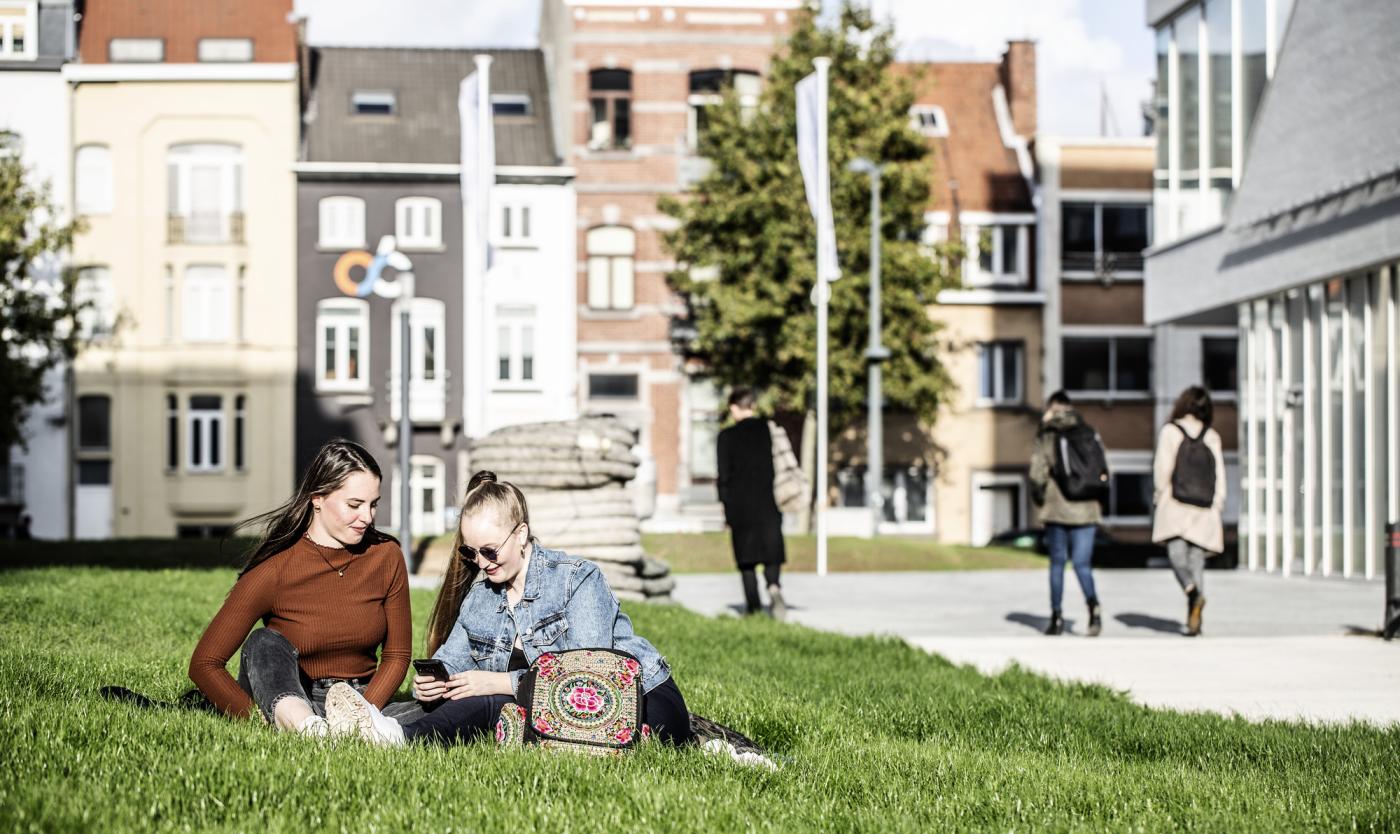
567,604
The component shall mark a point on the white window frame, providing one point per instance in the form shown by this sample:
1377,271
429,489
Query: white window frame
428,395
342,315
92,174
206,303
1003,275
136,50
341,223
1101,201
374,98
225,50
31,32
512,99
938,119
181,160
1128,463
979,526
206,418
418,223
1113,335
514,224
516,330
424,523
610,286
748,102
95,285
994,351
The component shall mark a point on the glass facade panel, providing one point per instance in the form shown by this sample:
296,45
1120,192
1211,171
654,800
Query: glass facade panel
1160,100
1188,96
1254,69
1332,432
1358,292
1218,35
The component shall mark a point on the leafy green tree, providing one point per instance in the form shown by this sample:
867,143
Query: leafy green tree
38,317
746,245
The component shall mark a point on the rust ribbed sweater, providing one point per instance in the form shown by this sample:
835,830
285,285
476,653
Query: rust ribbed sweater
335,622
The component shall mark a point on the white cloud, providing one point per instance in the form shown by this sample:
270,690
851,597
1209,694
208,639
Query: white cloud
425,23
1073,63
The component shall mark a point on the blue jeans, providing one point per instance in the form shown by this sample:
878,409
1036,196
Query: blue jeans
1074,544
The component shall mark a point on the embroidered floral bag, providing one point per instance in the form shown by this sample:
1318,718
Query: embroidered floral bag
583,700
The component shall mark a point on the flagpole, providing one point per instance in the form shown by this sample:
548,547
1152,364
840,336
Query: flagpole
823,293
486,178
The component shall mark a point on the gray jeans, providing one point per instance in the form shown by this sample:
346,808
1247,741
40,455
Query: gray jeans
1188,563
268,671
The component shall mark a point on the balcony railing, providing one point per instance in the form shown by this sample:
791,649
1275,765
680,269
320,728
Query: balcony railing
1102,263
206,227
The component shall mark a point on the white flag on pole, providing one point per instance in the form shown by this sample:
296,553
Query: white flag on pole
810,101
478,150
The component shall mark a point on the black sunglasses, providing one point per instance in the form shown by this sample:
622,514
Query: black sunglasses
492,554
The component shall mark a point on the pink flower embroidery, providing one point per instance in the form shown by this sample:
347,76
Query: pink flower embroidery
501,731
631,665
542,725
624,735
585,699
646,732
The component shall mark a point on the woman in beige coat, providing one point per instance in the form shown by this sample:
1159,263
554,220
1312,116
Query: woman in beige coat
1188,504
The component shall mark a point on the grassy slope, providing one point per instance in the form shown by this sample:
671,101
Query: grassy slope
877,736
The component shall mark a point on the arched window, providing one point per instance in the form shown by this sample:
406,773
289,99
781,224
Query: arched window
418,222
610,105
611,251
205,193
342,223
92,167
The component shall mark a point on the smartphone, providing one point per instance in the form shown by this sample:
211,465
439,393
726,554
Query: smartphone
431,667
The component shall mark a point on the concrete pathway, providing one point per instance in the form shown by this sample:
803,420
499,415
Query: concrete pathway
1297,648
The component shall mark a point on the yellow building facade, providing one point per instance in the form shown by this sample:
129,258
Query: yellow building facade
184,403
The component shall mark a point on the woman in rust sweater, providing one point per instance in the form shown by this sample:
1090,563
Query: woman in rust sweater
330,591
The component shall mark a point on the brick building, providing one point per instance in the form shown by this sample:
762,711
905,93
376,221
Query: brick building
630,84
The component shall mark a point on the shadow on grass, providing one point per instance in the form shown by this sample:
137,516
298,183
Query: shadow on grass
1148,621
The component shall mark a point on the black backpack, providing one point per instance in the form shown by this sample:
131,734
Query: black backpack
1081,467
1193,477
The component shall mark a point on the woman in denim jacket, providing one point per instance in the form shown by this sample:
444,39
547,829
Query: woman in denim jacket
505,601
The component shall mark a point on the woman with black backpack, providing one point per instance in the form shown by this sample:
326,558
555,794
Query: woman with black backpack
1188,476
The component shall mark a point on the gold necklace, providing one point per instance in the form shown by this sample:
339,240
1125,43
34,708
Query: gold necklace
317,548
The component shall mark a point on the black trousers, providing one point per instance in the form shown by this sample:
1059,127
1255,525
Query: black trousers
469,719
772,574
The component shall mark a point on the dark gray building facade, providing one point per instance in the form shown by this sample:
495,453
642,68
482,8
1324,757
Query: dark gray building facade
380,158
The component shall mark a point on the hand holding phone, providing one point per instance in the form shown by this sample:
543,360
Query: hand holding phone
432,668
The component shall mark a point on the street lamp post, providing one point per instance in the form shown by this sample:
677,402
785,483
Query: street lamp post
875,353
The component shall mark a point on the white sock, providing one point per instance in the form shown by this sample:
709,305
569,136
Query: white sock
313,725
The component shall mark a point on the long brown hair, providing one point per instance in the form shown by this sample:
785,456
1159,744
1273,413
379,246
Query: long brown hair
1194,401
484,494
336,461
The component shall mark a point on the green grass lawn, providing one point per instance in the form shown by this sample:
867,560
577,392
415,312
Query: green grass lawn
711,552
874,735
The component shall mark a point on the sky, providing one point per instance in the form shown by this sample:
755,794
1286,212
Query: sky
1088,51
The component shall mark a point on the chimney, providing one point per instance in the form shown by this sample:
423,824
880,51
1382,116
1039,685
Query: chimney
1018,78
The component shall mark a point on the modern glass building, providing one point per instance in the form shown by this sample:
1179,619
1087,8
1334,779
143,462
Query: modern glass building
1290,218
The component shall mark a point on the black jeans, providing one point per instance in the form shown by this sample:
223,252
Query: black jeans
268,671
772,574
469,719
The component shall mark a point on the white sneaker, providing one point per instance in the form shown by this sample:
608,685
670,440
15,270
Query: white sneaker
720,747
348,713
314,726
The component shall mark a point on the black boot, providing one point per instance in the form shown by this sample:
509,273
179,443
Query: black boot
1057,624
1195,603
1095,618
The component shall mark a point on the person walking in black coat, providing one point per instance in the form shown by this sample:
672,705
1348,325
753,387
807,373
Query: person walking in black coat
746,490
